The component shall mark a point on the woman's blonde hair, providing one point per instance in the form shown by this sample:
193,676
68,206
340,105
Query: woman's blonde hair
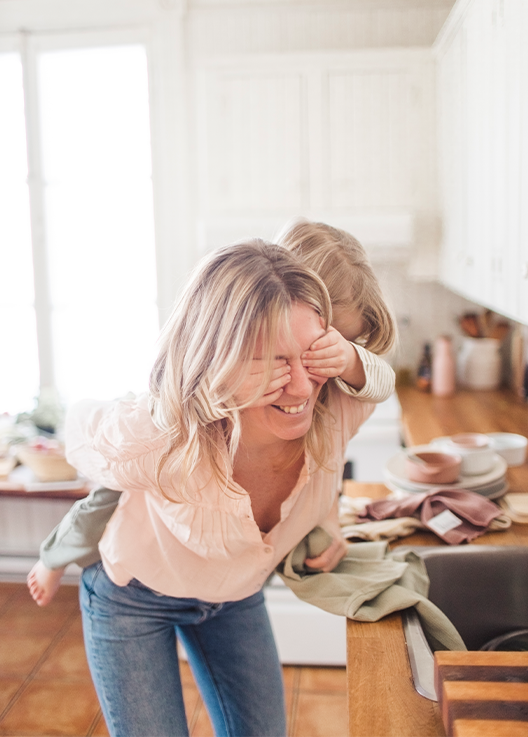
341,262
238,295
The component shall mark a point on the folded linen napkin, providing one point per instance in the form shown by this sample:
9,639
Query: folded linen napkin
383,529
352,528
369,583
455,515
515,505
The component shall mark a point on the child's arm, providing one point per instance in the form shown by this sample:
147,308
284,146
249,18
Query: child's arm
74,540
357,372
76,537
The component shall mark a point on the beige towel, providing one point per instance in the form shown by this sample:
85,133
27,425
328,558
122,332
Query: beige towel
515,505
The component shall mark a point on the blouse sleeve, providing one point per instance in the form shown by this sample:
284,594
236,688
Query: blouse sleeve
114,443
380,378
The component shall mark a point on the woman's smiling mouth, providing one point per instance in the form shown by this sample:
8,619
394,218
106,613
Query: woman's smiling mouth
292,409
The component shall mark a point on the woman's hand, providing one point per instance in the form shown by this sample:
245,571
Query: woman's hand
281,375
328,560
331,356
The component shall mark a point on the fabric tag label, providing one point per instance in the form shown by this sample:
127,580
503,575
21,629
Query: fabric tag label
443,522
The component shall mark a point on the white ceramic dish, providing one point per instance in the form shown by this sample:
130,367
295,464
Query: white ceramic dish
493,491
510,446
485,489
395,471
47,466
475,461
22,478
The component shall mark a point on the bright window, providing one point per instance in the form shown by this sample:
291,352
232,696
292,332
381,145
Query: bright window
19,371
93,129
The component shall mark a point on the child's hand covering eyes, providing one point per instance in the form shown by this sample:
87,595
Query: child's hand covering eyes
279,378
330,356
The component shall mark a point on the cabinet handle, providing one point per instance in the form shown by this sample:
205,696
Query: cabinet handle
524,270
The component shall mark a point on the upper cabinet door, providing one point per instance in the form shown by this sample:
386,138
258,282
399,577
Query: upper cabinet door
506,143
377,134
326,135
522,272
252,141
482,139
456,261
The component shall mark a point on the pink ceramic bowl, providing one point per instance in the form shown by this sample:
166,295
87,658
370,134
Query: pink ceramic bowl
432,467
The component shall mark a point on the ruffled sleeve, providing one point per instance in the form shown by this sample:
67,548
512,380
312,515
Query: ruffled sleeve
115,444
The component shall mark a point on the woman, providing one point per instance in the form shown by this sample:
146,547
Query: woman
234,457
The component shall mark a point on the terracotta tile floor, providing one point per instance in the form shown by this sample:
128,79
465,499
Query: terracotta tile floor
45,685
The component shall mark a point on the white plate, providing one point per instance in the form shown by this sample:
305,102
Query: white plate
395,472
485,490
496,492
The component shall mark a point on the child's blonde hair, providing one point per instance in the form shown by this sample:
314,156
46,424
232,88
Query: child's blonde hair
341,262
238,295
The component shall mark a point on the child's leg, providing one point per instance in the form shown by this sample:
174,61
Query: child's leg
43,583
74,540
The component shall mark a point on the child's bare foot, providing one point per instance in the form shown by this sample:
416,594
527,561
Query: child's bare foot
43,583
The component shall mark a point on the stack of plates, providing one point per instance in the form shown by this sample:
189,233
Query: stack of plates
492,484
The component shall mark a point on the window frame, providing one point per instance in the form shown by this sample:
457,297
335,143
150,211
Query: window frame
159,29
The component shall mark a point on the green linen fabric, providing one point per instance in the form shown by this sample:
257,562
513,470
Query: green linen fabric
369,583
76,537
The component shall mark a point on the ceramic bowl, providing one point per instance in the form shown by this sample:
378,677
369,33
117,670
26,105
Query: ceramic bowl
47,463
432,467
510,446
7,464
475,449
470,440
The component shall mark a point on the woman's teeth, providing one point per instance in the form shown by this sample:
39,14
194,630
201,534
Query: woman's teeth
293,409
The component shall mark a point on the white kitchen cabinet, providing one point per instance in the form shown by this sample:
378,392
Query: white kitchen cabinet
482,91
347,137
522,275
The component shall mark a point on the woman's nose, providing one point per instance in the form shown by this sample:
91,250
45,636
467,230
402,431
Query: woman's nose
301,385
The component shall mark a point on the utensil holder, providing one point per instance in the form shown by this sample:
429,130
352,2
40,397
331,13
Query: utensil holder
479,364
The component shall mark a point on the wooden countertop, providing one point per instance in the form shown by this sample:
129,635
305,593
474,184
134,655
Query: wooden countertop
382,699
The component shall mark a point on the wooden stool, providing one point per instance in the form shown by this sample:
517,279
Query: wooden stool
479,666
483,700
489,728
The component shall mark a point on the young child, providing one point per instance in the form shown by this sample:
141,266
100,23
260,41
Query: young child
360,316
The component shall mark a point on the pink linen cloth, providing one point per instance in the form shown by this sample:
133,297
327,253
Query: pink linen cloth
474,511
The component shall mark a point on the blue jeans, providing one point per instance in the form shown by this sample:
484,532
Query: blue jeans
130,637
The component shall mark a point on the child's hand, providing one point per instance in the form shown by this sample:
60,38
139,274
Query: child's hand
281,375
330,356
